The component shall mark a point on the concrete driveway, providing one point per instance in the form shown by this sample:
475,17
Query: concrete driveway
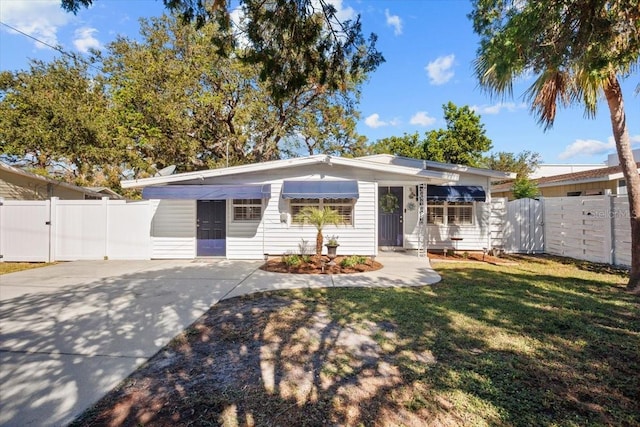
71,332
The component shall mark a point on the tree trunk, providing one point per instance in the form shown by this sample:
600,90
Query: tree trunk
319,240
613,92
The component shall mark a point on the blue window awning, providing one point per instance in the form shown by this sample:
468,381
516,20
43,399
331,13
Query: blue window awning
320,190
208,192
456,193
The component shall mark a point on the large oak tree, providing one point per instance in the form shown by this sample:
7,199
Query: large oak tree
577,51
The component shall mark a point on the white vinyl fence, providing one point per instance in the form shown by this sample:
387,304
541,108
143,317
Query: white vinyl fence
593,228
65,230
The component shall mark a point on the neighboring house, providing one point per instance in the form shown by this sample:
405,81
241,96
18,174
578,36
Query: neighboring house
607,180
18,184
245,212
549,169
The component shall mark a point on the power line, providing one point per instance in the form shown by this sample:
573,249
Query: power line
56,48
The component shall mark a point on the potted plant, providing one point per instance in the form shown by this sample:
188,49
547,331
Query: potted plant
332,247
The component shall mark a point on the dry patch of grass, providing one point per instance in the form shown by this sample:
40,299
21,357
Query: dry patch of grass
12,267
540,343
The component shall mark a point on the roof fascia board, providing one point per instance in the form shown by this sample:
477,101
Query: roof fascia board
233,170
446,166
288,163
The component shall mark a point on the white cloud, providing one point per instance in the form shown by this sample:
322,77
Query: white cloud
592,147
394,21
38,18
497,108
84,40
374,121
239,22
440,71
342,13
422,118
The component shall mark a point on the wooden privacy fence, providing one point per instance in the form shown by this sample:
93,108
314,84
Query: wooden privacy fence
66,230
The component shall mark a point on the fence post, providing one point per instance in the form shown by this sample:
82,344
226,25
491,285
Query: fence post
105,203
609,244
53,227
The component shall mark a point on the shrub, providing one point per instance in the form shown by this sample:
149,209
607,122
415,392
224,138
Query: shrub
353,260
291,260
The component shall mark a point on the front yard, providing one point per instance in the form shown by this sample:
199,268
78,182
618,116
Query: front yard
539,343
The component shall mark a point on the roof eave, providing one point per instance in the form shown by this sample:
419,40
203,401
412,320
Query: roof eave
295,162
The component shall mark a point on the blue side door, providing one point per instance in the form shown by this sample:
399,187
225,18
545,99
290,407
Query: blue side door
211,226
390,232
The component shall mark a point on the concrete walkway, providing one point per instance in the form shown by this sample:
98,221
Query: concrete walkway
71,332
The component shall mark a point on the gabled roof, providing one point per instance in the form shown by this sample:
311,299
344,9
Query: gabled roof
415,172
17,171
429,164
594,175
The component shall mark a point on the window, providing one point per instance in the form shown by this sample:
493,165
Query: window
450,213
460,213
574,193
435,213
247,209
343,206
622,186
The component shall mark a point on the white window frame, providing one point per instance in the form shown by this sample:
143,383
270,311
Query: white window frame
447,212
295,205
248,207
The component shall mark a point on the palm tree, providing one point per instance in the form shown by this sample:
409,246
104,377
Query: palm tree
319,218
578,51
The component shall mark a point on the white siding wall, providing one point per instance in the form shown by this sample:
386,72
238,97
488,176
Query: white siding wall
173,230
276,235
474,237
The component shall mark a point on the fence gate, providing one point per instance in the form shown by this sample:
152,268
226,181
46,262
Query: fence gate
524,227
25,230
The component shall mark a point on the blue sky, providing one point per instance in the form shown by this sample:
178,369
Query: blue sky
429,47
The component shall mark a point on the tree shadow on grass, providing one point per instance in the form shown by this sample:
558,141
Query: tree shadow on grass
485,346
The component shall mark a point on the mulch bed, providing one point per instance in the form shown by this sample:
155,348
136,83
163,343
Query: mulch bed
468,256
319,265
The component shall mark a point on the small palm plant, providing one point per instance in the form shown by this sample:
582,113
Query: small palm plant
319,218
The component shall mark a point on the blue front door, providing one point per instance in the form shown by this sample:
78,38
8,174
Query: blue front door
390,230
212,226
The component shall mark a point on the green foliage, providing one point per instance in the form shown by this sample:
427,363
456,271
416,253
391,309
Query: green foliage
353,260
292,260
571,47
319,218
524,188
523,163
54,117
173,97
462,142
408,145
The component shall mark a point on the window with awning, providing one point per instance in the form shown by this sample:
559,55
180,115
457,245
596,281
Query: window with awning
456,193
320,190
208,192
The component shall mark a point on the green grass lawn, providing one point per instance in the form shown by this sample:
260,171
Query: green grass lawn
541,343
12,267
